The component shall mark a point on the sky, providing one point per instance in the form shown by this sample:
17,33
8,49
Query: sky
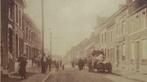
70,21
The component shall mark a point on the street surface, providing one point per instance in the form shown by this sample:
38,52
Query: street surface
73,75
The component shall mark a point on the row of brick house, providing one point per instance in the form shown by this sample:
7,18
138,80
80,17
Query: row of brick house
19,35
123,38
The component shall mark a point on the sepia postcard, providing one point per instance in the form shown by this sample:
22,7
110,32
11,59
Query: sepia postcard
73,41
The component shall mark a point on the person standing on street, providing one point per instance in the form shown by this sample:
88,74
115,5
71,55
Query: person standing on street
57,65
50,63
43,64
81,64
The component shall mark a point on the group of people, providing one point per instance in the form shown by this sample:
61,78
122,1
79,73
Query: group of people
80,63
58,64
47,63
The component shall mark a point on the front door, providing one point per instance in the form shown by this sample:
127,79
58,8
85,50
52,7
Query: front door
137,52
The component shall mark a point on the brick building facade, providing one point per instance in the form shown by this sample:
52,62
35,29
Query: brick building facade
13,38
32,38
11,34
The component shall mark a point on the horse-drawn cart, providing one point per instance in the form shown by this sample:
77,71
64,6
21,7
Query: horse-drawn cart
97,61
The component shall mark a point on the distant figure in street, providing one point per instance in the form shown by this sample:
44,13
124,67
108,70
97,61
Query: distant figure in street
49,63
90,64
62,66
22,64
73,64
57,65
81,64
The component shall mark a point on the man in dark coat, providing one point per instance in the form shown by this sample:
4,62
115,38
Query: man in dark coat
43,64
81,64
49,62
22,64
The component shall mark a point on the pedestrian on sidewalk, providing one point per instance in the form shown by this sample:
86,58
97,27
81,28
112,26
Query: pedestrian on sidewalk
43,64
73,64
22,64
16,66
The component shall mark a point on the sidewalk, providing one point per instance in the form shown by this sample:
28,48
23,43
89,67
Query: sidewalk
132,75
33,75
37,77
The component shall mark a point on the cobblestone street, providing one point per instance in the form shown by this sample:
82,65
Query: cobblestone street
73,75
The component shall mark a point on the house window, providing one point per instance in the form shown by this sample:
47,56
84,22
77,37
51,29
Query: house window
124,53
26,32
133,51
17,14
11,10
146,17
144,49
130,25
10,13
143,19
10,40
17,43
20,18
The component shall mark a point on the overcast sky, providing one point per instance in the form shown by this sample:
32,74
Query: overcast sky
71,20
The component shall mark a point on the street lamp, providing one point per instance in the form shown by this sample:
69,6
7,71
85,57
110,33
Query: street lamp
42,8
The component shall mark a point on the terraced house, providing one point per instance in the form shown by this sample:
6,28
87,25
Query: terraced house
13,33
32,38
123,37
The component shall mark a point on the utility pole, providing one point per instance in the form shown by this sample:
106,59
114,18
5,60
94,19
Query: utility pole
51,42
42,8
